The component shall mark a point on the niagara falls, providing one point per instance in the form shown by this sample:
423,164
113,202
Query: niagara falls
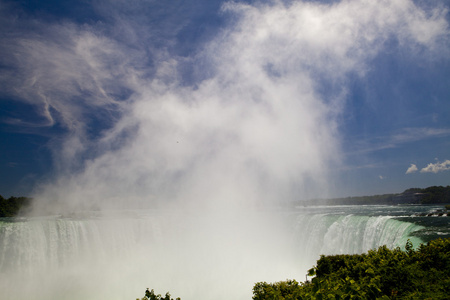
201,147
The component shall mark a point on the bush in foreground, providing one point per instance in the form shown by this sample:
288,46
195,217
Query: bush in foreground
379,274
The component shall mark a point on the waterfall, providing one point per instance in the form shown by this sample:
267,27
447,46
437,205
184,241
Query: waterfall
51,243
349,234
192,257
63,258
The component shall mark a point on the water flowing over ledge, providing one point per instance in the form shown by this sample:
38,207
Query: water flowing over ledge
113,257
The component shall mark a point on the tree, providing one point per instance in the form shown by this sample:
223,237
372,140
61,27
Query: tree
10,207
150,295
379,274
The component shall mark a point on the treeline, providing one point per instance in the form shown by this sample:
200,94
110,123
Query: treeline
429,195
432,194
380,274
150,295
10,207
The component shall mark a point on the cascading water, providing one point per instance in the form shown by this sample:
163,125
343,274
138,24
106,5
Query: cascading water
52,243
63,258
350,234
189,255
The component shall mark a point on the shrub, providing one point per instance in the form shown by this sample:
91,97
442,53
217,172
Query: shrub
150,295
379,274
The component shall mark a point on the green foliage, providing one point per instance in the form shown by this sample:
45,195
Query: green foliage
379,274
436,194
10,207
288,289
150,295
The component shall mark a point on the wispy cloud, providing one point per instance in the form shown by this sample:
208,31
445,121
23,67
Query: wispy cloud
416,134
399,138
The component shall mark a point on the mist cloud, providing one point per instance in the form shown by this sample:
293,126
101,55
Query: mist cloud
253,125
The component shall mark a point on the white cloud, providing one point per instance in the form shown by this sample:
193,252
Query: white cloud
411,169
381,177
255,127
437,167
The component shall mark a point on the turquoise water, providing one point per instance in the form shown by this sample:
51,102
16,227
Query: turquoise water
421,229
332,230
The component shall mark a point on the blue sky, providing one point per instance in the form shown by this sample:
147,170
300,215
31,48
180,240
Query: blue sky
105,100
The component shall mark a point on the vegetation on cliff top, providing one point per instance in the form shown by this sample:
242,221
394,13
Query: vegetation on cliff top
379,274
435,194
10,207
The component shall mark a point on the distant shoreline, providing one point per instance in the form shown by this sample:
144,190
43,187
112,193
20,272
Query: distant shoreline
12,206
429,195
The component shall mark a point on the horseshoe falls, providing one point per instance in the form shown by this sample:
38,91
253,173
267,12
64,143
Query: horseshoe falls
190,254
350,234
